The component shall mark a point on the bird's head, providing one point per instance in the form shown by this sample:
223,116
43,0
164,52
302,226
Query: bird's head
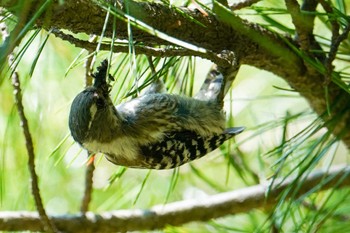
88,103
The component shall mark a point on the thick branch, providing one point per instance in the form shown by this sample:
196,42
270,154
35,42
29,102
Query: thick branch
178,213
205,31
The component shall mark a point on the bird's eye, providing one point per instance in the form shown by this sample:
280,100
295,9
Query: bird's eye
100,103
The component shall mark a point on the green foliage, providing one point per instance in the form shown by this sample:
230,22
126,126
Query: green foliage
283,138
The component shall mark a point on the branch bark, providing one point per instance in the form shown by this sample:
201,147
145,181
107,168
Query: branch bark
178,213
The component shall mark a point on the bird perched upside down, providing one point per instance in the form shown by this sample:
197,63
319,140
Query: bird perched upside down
155,131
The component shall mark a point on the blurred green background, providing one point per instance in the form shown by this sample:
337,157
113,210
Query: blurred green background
258,100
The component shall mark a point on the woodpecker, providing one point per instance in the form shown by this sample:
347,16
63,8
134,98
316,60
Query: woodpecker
153,131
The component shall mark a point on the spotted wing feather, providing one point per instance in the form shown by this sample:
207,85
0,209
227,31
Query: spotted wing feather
178,148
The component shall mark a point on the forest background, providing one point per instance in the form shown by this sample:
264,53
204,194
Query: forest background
289,63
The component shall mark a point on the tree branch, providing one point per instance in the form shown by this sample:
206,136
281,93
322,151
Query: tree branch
89,173
190,26
335,41
181,212
143,49
44,220
242,4
90,166
303,27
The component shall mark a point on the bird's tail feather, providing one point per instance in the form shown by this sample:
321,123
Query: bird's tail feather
234,130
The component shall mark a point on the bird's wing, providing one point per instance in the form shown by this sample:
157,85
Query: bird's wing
178,148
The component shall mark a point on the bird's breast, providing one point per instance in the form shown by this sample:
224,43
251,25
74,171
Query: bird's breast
122,148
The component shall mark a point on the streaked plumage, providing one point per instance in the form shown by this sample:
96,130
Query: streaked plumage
156,130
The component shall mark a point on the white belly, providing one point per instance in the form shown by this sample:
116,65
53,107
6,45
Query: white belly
123,148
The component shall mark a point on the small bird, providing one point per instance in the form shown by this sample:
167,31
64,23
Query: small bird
154,131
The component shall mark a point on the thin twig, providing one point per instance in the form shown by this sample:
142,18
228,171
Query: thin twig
89,173
88,63
142,49
151,65
243,4
48,225
181,212
303,25
309,7
303,18
335,41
